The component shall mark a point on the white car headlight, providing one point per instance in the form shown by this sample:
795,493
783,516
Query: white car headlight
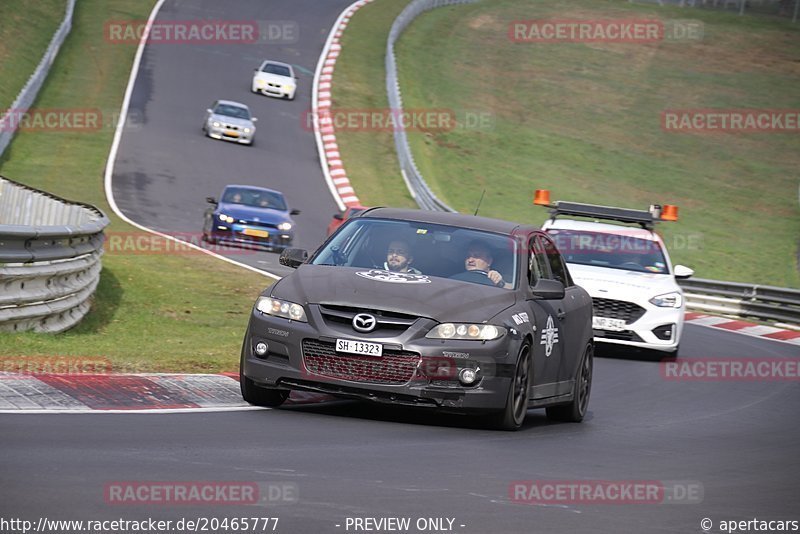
285,226
288,87
668,300
281,308
478,332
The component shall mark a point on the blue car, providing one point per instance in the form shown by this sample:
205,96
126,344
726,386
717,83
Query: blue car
251,216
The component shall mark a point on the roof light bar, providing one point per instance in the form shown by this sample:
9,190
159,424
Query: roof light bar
645,218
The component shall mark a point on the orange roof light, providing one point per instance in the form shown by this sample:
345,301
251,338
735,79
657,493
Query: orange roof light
542,197
669,213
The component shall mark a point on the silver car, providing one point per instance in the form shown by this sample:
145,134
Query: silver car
230,121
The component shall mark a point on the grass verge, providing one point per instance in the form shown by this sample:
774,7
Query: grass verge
151,312
26,29
584,120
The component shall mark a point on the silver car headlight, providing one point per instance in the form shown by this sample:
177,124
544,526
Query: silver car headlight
247,130
477,332
281,308
215,124
668,300
285,226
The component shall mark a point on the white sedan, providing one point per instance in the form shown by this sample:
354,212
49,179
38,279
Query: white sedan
274,78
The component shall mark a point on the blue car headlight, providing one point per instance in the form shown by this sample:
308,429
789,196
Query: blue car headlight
225,218
281,308
285,226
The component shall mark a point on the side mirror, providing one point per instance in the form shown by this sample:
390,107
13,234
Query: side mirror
548,289
212,200
682,272
294,211
253,119
339,217
293,257
209,110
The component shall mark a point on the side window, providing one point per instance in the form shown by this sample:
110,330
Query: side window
537,262
557,267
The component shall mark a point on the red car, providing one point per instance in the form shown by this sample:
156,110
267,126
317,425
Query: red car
340,218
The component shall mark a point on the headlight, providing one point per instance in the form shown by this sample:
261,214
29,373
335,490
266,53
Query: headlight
479,332
288,87
215,124
225,218
668,300
281,308
285,226
247,130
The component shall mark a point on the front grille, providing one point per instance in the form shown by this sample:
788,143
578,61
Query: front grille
274,85
264,225
385,319
617,309
393,368
231,127
625,335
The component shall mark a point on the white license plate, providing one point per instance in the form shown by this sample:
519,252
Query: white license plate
359,347
606,323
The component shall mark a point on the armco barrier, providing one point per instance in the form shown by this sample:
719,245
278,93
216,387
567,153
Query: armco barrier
50,251
417,186
766,303
27,95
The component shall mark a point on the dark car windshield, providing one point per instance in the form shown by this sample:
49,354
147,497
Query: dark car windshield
257,198
232,111
280,70
436,250
622,251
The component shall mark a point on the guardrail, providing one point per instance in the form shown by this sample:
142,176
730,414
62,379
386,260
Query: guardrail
767,303
27,94
416,184
50,251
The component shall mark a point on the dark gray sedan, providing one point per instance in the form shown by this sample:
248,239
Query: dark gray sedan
429,309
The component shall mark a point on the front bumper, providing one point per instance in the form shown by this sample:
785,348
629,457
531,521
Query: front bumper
235,233
413,370
272,90
235,136
649,331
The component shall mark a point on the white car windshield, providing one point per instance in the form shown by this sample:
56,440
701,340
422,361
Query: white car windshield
615,251
280,70
433,250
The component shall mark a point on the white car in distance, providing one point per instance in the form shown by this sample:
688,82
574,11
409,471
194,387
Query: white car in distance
625,267
274,78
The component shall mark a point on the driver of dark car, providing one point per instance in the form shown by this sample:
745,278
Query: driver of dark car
478,261
399,258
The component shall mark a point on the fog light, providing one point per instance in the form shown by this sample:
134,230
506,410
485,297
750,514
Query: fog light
261,348
467,376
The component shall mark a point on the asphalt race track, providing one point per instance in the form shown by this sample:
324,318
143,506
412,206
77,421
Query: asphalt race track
166,168
733,444
736,441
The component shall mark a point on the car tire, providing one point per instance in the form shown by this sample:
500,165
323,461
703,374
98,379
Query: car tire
575,411
260,396
513,415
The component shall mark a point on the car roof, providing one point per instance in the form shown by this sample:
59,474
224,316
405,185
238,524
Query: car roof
453,219
603,228
232,103
257,188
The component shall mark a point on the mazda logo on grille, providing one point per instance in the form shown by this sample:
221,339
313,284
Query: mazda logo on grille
364,322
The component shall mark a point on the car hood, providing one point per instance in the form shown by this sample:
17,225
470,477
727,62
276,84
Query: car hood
249,213
275,78
242,123
440,299
617,283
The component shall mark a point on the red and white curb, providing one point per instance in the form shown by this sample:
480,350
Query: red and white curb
330,158
744,327
139,393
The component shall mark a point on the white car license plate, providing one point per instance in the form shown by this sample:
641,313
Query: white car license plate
359,347
606,323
